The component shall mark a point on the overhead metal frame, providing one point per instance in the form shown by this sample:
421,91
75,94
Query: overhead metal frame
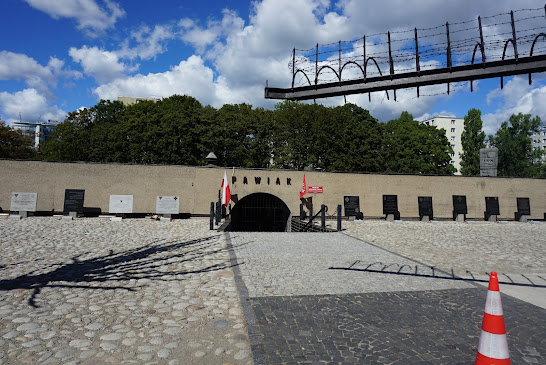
510,67
516,66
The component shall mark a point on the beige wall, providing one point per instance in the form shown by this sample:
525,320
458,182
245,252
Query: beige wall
198,186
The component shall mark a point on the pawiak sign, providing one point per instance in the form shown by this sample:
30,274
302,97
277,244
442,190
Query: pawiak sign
315,190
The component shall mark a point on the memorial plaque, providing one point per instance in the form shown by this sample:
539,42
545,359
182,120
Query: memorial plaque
167,205
121,204
492,205
488,161
459,204
524,207
73,200
351,205
425,206
23,202
390,204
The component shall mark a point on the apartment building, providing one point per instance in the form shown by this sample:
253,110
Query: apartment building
453,128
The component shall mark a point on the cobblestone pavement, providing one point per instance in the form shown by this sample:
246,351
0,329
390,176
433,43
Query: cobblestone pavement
511,247
91,291
308,299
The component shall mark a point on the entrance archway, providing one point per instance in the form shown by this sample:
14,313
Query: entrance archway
259,212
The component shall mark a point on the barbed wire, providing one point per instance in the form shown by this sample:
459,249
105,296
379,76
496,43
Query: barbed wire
375,54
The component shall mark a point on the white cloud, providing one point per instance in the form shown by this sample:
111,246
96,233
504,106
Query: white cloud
93,16
516,97
245,55
18,66
150,42
30,105
104,66
201,38
190,77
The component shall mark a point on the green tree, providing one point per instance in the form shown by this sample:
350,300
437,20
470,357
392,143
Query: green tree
14,144
242,136
472,140
291,134
183,130
87,134
353,141
516,156
412,147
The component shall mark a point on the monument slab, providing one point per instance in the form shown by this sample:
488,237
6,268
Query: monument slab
460,209
167,204
425,207
488,161
390,204
491,208
351,205
73,200
121,204
524,209
23,202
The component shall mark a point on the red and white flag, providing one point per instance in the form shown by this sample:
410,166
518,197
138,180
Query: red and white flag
226,193
303,188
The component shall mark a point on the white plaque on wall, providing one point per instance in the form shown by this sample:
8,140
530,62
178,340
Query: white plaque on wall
121,204
23,202
167,205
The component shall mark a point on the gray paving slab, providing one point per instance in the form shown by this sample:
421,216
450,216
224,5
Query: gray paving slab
335,299
276,264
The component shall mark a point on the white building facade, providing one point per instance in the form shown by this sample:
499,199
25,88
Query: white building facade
453,128
538,140
39,132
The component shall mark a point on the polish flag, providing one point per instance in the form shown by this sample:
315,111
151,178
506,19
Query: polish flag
226,193
303,188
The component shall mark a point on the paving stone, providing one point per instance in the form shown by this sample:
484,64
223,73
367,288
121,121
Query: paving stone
304,306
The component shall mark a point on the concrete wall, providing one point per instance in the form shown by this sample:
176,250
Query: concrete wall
198,186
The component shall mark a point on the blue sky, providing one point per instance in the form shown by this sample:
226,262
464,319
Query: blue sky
58,56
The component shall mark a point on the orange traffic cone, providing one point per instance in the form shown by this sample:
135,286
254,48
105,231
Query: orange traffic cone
493,347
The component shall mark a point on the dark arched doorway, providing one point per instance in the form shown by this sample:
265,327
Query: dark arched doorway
259,212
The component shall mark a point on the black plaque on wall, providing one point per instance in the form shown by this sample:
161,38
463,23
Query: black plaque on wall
390,204
351,205
492,205
425,206
73,200
524,207
459,204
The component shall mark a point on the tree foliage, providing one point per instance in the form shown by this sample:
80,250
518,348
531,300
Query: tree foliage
516,156
472,139
179,130
412,147
14,144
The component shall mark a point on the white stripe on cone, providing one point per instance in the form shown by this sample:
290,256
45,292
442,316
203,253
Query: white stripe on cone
493,303
494,346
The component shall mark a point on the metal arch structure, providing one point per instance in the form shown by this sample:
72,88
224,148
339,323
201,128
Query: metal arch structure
418,78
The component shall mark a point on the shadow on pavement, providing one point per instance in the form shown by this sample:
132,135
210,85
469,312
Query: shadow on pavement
432,272
145,262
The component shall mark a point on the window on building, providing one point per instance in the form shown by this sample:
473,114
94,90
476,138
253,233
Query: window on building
453,155
452,130
452,162
452,138
452,121
427,123
453,146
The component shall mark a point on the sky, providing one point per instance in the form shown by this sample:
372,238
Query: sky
62,55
